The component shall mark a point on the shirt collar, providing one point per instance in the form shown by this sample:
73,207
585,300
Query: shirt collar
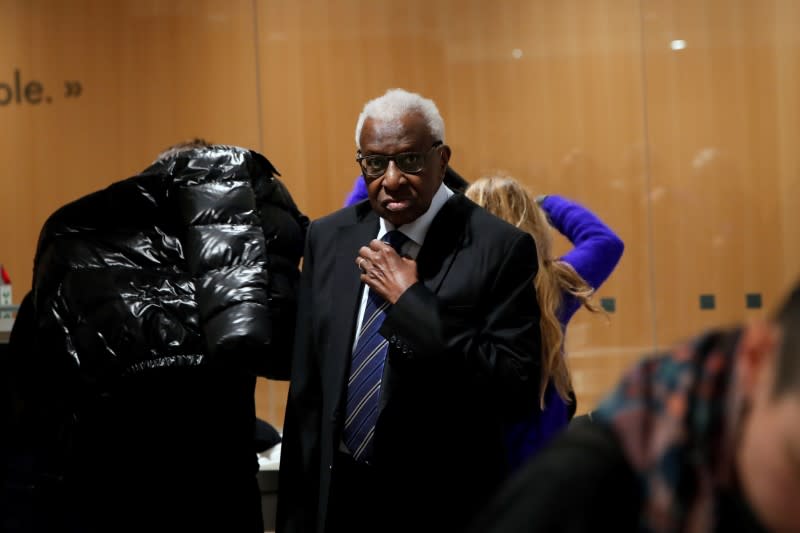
417,230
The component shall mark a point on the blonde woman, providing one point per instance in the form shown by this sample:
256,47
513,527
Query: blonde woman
563,285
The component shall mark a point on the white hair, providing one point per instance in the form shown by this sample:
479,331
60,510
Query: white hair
397,103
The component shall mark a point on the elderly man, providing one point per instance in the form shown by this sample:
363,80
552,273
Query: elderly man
417,340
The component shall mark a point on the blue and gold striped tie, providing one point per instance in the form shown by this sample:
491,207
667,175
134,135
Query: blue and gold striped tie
366,370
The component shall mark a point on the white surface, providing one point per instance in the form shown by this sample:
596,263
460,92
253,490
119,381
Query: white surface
270,459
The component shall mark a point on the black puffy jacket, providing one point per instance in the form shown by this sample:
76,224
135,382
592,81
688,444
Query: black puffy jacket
156,302
195,258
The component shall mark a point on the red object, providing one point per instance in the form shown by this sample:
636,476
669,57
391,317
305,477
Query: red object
6,279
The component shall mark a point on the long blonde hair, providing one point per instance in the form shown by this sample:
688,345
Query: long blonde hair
506,198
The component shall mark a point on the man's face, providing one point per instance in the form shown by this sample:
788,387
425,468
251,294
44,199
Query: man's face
768,458
397,196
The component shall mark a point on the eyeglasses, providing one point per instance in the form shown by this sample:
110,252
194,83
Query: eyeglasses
374,166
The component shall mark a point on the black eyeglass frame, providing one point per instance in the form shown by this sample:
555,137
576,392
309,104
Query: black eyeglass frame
389,158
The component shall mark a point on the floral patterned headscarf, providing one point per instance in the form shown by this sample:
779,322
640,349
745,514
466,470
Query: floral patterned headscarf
677,418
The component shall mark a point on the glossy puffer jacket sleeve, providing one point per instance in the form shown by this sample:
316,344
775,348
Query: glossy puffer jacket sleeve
243,244
226,257
285,230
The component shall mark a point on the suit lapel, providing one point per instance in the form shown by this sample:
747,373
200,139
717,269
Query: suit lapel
446,237
349,287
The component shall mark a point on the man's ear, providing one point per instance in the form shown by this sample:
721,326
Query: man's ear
444,159
756,355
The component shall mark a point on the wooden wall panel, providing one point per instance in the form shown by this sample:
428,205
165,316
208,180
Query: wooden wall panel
153,73
723,123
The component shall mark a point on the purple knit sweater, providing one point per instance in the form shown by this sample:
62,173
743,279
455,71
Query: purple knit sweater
596,252
357,193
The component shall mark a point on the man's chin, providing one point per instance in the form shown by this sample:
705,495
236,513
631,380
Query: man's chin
399,217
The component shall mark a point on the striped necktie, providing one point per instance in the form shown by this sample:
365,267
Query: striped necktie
366,370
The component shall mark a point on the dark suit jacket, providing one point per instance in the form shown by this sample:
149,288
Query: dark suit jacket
463,359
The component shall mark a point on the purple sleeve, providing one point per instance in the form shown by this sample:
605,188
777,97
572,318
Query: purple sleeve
358,193
597,249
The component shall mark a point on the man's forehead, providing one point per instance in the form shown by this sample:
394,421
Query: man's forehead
385,129
407,129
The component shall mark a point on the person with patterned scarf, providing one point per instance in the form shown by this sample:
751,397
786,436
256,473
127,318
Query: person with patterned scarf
703,439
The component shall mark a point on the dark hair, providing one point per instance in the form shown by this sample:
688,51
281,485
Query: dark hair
197,142
787,376
454,180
